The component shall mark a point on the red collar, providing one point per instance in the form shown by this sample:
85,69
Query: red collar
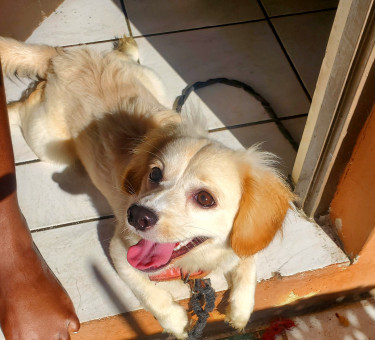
175,274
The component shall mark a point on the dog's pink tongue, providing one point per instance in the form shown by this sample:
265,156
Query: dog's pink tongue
150,255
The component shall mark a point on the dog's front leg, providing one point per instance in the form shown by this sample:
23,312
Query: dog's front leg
171,316
241,301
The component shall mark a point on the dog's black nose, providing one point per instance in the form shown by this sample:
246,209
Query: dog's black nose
141,218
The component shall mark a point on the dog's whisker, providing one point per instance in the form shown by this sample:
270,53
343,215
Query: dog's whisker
129,187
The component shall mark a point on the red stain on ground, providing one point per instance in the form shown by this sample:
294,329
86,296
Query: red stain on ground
277,327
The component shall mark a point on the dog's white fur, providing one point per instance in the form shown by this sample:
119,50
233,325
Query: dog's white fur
107,111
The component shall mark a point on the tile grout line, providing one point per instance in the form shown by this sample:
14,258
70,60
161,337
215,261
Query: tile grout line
273,29
68,224
147,35
90,43
260,122
27,162
301,13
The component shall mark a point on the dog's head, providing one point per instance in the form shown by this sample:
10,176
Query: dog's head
191,196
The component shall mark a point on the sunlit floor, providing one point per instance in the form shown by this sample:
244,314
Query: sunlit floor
274,46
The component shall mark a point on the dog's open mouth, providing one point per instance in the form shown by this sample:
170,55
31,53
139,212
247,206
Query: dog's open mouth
150,256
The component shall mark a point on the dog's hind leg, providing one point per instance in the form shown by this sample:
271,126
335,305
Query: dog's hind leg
14,109
128,47
19,110
39,134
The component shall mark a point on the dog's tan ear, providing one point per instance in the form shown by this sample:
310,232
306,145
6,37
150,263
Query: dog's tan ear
262,209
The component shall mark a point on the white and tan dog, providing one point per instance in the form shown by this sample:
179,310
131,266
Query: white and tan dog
181,199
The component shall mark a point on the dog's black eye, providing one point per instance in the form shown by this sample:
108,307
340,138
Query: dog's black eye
156,175
204,199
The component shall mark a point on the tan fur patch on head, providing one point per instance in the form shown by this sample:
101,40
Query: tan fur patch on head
262,209
151,146
133,179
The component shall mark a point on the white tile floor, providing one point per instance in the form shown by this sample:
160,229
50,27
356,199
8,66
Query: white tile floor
93,20
306,34
205,39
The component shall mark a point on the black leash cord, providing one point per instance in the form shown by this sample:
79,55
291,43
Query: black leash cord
202,295
180,100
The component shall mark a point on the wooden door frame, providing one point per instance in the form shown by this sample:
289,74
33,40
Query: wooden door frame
346,75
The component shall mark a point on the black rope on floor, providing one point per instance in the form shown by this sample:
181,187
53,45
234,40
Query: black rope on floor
180,101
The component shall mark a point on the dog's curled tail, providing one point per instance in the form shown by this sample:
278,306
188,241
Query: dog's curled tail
25,60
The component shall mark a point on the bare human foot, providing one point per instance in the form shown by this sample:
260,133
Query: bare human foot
33,304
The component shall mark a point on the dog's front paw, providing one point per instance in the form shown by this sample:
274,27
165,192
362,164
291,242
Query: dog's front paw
175,322
237,319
